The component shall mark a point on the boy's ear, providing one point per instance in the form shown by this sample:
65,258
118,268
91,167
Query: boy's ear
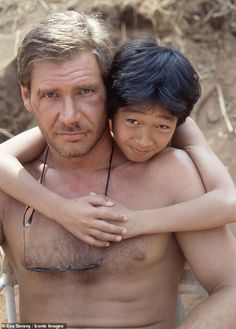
110,125
25,93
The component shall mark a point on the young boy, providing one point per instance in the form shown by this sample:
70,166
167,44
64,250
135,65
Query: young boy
150,91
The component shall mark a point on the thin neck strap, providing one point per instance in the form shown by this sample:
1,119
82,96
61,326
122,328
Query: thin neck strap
44,165
109,170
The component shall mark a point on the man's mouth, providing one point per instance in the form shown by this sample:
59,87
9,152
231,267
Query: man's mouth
73,135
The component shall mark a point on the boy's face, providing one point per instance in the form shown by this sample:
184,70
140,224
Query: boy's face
141,132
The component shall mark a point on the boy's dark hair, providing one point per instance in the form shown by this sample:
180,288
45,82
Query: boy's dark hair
144,72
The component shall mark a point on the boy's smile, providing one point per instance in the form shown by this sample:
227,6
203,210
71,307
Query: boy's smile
141,132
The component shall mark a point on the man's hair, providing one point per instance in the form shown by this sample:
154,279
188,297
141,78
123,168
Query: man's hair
62,36
145,73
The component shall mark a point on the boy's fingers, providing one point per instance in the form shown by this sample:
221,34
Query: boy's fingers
110,214
103,236
109,228
100,200
96,243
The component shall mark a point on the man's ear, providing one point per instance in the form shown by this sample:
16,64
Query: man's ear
25,93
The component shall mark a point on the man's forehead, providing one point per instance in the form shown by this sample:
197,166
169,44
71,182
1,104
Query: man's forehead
84,58
83,66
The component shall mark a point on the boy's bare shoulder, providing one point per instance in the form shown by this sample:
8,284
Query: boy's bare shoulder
173,157
180,173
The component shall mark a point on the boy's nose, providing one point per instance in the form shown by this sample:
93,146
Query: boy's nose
144,139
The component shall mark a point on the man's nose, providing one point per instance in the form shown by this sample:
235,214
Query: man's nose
70,112
144,138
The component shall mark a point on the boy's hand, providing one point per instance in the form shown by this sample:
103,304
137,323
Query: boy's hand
89,219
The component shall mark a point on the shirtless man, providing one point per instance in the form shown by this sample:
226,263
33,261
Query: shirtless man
132,284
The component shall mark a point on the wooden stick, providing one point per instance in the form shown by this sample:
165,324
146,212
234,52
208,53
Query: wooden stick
17,41
45,5
123,32
135,13
6,133
223,108
202,101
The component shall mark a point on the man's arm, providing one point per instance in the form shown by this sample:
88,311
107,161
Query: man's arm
1,234
212,257
2,214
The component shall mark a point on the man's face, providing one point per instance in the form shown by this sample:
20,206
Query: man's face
68,99
141,134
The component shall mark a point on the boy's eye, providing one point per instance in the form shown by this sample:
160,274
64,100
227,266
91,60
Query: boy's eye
133,122
164,127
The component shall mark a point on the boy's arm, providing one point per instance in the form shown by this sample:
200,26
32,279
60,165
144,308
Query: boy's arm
210,210
82,216
26,146
214,175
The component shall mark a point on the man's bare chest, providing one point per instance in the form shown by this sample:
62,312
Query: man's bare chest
48,247
45,245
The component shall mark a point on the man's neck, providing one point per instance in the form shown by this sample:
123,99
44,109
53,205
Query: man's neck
97,159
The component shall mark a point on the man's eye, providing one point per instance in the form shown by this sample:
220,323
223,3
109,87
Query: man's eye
85,91
50,94
132,122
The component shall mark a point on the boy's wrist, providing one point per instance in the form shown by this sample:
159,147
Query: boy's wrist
143,225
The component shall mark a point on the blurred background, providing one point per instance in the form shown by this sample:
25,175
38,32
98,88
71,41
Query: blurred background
204,30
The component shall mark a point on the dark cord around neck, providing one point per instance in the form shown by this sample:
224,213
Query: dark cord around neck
109,170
